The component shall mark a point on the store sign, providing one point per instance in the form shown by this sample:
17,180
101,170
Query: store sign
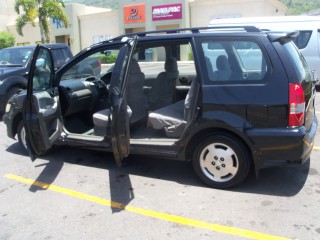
134,13
167,12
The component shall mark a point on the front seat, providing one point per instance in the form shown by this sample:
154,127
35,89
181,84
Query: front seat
135,99
163,87
223,68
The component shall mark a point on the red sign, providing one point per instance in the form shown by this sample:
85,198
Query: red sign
167,12
134,13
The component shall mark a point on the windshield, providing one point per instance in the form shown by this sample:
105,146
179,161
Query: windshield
14,57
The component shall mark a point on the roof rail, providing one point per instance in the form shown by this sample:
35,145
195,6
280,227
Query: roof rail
193,30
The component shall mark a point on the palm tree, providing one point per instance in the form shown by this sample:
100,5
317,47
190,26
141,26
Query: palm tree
43,10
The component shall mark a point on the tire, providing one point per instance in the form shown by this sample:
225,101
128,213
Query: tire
221,161
21,132
10,94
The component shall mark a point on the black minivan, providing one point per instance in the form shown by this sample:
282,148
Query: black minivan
224,99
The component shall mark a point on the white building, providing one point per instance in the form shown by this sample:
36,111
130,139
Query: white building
89,25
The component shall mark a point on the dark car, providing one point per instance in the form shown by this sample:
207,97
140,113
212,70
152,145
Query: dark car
15,66
224,99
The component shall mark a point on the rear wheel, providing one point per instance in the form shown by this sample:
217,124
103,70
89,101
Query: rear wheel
22,136
221,161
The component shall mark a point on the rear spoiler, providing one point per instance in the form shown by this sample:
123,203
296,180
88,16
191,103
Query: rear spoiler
282,37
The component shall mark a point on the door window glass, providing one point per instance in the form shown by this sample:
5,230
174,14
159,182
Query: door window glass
95,65
43,71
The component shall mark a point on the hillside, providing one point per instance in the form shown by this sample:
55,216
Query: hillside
295,7
113,4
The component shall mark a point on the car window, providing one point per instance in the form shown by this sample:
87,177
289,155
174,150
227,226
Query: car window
60,57
303,38
15,57
95,65
300,64
232,61
43,71
170,57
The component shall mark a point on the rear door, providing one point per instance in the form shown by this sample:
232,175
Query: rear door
120,131
41,110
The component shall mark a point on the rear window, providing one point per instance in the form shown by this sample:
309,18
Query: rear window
299,62
303,38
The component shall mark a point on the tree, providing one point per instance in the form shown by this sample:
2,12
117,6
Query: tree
297,7
42,10
6,39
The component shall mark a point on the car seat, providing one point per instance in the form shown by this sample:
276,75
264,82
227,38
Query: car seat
173,118
224,69
135,99
163,87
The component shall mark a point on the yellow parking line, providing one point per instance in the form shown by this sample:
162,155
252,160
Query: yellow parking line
157,215
316,148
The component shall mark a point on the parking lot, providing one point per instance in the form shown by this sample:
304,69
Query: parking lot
80,194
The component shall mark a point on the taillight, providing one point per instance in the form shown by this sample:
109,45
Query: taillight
297,105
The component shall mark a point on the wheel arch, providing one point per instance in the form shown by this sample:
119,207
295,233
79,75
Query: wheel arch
15,123
204,133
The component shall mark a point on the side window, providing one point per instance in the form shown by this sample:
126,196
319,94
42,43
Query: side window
250,55
231,61
95,65
303,38
43,71
300,64
60,57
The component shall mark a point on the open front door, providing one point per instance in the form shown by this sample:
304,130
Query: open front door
41,109
120,131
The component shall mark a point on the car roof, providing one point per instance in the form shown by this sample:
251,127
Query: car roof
48,45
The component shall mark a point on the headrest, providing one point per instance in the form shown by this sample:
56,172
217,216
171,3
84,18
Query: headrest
171,65
134,67
222,63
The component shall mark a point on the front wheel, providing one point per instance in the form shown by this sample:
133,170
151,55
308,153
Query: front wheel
22,137
221,161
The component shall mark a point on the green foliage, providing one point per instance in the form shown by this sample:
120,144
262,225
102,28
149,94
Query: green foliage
108,58
190,56
31,10
297,7
6,39
113,4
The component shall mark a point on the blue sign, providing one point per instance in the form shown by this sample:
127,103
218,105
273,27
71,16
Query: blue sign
57,22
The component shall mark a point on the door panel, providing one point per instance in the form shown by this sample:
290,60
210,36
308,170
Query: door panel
41,111
120,131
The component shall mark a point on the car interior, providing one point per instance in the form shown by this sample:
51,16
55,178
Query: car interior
157,95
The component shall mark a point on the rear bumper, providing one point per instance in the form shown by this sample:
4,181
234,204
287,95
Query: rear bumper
282,146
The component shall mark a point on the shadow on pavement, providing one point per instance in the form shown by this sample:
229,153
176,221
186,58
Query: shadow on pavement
274,181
